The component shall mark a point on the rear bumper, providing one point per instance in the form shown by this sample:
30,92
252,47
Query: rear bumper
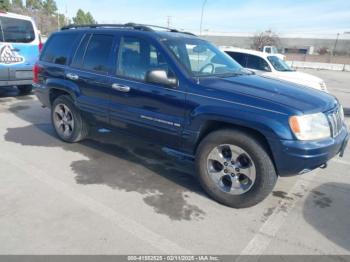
16,75
15,83
42,94
294,157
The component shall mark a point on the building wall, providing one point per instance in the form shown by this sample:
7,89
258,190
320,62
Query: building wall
343,46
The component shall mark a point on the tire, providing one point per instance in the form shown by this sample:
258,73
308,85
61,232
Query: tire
235,189
27,89
63,113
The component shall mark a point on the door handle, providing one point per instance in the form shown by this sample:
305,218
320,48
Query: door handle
72,76
121,88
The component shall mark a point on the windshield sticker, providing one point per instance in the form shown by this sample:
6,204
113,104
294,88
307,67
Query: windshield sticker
8,56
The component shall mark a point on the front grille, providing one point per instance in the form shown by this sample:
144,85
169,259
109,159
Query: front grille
336,122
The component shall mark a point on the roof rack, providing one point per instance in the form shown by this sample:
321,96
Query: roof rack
142,27
129,25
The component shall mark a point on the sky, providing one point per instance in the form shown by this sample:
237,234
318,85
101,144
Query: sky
326,17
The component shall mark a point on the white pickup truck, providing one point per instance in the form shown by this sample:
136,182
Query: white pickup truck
272,50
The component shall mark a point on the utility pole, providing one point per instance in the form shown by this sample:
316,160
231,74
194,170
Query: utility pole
66,19
201,24
335,44
168,21
58,20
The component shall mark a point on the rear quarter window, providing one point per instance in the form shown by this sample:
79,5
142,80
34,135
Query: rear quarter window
15,30
58,48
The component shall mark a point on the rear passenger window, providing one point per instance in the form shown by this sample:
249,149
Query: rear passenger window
58,48
97,55
239,57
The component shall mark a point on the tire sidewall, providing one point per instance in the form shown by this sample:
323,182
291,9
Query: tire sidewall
265,172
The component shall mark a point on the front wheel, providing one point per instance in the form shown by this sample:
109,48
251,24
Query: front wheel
67,120
235,169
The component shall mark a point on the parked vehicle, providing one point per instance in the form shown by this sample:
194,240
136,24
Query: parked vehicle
274,67
272,50
177,90
19,50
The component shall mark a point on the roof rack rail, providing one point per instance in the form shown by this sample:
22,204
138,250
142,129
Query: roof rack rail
142,27
130,25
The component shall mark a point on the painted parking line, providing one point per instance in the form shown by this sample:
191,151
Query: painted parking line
262,239
125,223
341,161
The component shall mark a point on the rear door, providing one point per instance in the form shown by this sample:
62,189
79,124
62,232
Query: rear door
90,71
19,48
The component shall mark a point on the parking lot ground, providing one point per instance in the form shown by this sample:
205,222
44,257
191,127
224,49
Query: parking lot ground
118,195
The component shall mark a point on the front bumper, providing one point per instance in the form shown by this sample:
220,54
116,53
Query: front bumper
294,157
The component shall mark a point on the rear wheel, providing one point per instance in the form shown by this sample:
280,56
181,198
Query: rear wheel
67,120
26,89
235,169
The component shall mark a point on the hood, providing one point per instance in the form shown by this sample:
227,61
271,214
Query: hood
270,92
298,78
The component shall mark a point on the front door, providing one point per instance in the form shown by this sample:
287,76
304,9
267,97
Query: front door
151,111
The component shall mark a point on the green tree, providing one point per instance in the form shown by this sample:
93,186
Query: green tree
34,4
90,19
5,5
62,20
50,7
80,18
17,3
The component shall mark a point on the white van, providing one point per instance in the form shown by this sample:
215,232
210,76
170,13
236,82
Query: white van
20,45
270,65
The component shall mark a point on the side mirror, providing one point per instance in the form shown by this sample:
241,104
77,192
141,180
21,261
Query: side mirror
160,77
267,69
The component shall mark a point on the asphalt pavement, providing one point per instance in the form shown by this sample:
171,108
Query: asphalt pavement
118,195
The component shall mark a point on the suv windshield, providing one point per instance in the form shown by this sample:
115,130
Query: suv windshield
201,58
16,30
279,64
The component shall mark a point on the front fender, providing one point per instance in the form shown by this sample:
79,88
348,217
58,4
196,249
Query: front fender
271,124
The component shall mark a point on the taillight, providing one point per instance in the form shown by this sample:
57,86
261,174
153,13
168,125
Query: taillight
40,46
36,72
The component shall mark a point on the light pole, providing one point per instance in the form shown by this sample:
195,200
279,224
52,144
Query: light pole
201,24
335,44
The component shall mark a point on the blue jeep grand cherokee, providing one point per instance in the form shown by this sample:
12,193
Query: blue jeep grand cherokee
175,89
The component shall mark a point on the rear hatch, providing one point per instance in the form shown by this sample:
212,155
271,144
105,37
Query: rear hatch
19,49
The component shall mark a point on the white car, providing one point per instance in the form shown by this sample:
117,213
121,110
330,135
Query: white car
272,66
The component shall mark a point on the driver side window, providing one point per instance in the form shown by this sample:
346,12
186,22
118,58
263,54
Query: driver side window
257,63
136,57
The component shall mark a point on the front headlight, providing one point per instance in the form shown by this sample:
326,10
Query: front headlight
310,127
